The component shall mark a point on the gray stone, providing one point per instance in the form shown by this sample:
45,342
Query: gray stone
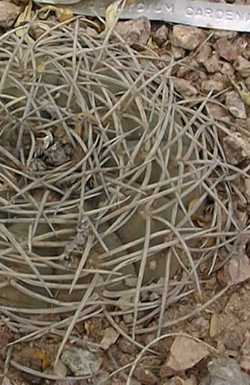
81,362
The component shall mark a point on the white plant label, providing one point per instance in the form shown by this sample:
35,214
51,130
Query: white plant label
191,12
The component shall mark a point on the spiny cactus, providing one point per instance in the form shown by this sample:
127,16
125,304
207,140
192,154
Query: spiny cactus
111,184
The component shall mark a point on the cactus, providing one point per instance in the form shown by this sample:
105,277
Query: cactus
116,184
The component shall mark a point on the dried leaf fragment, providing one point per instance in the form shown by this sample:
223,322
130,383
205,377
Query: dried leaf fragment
110,337
186,353
214,329
111,16
23,18
43,358
64,14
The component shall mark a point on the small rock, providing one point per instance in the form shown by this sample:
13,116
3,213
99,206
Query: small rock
239,269
226,371
242,65
226,49
160,36
212,64
218,112
145,376
178,53
54,155
204,53
136,33
246,53
200,326
211,84
185,353
81,362
127,347
235,105
184,87
35,32
187,37
236,147
218,34
227,69
188,65
8,13
60,369
196,77
242,43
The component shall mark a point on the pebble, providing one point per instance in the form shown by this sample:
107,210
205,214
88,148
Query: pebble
188,66
187,37
184,87
242,66
81,362
160,36
211,84
60,369
8,13
226,49
212,64
236,147
145,376
227,69
204,53
235,105
127,347
135,33
226,371
218,112
178,53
